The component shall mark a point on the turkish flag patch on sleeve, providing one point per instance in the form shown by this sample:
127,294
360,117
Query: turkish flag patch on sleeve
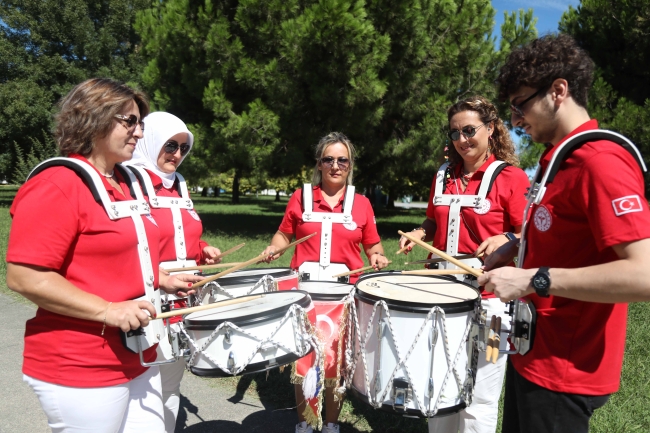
627,204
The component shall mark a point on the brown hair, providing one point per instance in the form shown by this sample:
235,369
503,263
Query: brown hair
329,139
543,61
87,112
500,145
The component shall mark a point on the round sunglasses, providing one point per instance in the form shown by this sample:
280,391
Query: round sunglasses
130,121
341,161
468,131
172,146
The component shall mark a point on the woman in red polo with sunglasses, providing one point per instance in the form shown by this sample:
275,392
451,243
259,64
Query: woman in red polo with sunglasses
336,248
164,145
476,205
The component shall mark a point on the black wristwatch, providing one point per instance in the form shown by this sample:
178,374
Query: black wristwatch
511,236
541,282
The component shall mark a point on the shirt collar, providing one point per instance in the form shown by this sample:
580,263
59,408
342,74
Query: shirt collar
318,196
546,157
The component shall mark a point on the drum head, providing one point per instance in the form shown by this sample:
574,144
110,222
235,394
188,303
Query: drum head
268,306
252,276
416,293
326,290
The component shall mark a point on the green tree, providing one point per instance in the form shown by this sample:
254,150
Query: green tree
47,47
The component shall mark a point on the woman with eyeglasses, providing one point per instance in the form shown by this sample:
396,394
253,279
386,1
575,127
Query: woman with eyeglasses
162,149
336,249
84,249
476,205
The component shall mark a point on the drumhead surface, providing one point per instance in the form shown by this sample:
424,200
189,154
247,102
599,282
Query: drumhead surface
252,276
268,306
326,287
416,291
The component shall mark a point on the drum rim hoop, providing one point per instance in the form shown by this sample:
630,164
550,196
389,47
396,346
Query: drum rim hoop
409,412
327,296
250,319
257,367
234,279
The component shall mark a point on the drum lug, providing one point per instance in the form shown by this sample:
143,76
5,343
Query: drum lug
227,335
305,276
231,362
401,394
343,280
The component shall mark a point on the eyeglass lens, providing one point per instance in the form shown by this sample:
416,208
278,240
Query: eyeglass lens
131,121
467,131
172,146
342,162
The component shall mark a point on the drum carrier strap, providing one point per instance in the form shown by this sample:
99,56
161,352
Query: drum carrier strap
538,186
326,219
457,201
175,204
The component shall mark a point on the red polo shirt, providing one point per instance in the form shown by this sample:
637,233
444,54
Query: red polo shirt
579,345
57,224
345,242
192,226
507,201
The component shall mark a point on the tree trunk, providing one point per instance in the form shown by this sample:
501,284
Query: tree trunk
204,191
391,200
277,195
235,187
217,191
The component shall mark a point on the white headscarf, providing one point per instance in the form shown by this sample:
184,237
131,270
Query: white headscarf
159,127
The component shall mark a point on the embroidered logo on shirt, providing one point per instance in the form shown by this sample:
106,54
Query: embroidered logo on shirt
542,219
350,226
483,208
627,204
150,218
194,214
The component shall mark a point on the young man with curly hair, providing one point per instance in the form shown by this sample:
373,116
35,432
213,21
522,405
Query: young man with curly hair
586,247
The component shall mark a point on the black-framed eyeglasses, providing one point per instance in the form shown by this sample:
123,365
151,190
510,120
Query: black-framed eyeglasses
519,108
172,146
341,161
468,131
131,121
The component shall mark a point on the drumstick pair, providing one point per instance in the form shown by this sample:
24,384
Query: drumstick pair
494,340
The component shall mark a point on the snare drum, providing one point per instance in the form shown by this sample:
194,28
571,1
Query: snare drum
326,290
249,282
411,350
249,337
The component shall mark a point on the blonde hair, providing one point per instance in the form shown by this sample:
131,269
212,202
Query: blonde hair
87,112
500,145
324,143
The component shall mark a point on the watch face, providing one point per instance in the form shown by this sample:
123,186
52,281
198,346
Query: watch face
541,282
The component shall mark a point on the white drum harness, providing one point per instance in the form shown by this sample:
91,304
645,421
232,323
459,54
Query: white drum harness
324,269
456,202
134,209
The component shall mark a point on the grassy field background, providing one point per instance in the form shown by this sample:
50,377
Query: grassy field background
254,222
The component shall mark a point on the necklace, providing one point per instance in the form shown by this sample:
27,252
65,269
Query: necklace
108,176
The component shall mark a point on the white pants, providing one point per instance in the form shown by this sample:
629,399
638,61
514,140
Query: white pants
135,406
171,376
482,415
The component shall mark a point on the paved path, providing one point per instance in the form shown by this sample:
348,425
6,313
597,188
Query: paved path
412,205
205,405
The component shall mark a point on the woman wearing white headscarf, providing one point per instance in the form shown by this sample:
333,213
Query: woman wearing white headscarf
164,146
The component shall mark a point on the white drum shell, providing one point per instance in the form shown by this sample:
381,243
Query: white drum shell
228,289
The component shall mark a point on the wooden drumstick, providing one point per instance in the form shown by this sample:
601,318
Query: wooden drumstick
401,250
436,272
217,257
183,311
204,267
438,260
205,281
356,271
497,341
490,343
292,244
450,259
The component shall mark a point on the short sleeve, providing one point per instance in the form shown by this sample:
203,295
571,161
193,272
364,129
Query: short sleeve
369,234
44,225
292,214
610,190
515,203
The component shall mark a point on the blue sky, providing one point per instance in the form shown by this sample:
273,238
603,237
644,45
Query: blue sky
548,12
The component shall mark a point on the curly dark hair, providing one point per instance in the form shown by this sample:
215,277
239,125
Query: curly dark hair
543,61
501,144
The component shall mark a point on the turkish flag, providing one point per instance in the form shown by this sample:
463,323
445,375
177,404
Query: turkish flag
628,204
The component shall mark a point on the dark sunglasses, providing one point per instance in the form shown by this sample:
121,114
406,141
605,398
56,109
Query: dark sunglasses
172,146
131,121
468,131
519,108
342,162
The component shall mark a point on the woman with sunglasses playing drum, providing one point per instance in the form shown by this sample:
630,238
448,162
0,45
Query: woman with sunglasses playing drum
84,248
318,208
166,143
476,205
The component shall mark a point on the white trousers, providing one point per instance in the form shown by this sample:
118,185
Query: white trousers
132,407
171,376
482,415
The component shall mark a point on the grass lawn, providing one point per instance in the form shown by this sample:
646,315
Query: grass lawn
255,220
